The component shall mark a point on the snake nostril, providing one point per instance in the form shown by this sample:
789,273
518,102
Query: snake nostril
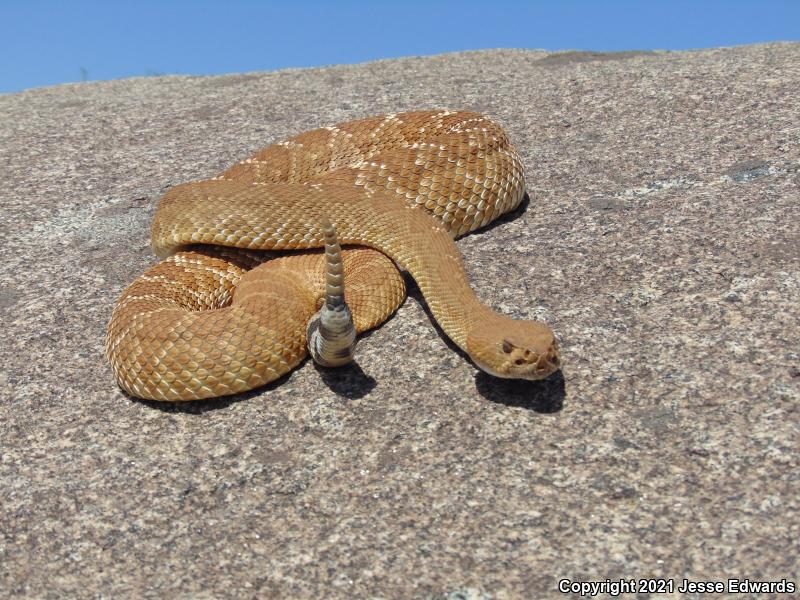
519,361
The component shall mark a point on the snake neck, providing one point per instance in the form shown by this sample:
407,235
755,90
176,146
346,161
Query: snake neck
423,247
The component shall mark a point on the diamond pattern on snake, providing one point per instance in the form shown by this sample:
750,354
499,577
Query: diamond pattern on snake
218,316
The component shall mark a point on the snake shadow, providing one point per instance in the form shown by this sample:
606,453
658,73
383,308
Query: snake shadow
350,382
503,219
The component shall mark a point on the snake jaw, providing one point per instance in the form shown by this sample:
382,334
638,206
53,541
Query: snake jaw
515,349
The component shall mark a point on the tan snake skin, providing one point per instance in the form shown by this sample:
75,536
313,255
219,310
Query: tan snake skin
213,320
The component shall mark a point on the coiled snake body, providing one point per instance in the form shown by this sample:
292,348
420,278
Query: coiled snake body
215,318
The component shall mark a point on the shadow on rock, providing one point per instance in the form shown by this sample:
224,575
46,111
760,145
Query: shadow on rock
506,218
349,381
545,396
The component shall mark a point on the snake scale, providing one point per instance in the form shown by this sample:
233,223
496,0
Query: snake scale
217,316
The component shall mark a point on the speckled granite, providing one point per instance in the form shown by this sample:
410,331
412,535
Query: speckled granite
661,242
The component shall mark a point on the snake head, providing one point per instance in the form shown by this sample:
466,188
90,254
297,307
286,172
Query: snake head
513,349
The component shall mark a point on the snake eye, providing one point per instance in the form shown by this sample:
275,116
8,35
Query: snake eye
507,346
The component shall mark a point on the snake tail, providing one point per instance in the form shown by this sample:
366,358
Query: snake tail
331,332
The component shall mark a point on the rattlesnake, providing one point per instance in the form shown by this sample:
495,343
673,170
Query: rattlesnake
216,317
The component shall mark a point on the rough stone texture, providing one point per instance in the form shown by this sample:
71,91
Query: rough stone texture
661,242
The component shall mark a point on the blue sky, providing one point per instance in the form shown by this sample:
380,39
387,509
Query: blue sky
46,43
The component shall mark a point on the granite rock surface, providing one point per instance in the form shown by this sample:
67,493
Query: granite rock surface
661,242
